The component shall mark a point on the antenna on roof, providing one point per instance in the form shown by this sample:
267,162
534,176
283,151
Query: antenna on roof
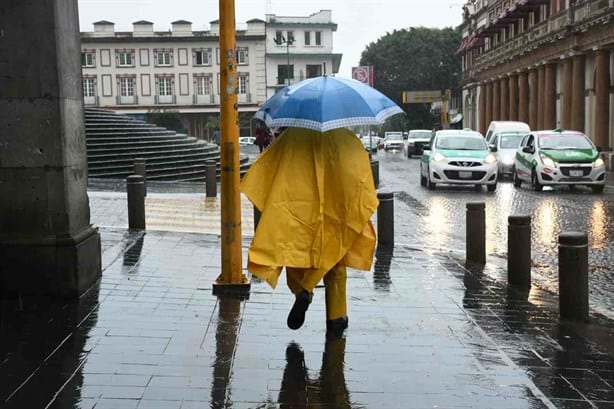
268,6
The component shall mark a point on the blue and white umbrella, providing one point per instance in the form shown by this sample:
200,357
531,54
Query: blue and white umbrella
325,103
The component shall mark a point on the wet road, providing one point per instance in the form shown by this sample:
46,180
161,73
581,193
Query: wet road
440,216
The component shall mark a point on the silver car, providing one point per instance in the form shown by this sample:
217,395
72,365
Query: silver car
506,144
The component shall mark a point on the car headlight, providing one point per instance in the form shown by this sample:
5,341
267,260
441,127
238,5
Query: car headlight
598,163
490,158
547,161
438,157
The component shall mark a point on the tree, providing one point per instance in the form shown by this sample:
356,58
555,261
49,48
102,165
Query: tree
414,59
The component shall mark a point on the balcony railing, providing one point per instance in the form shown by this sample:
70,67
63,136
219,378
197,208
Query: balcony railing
244,98
165,99
90,100
203,99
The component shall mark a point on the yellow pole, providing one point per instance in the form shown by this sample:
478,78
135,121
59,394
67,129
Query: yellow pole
231,279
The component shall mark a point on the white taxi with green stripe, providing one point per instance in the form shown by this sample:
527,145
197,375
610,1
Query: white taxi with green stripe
459,157
558,157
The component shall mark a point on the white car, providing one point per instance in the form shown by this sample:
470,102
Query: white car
370,142
246,140
416,140
506,143
393,140
460,158
558,158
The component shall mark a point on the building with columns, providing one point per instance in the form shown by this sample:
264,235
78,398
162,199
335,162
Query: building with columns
549,63
178,70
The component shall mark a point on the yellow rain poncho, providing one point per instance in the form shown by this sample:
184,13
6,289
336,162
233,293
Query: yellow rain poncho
316,195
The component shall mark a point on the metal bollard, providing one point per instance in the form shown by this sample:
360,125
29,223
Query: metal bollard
385,220
519,251
573,276
256,218
140,169
135,187
375,172
210,179
475,237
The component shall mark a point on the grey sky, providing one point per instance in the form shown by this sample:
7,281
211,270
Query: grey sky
360,22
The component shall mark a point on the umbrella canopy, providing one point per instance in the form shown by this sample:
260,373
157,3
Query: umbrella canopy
325,103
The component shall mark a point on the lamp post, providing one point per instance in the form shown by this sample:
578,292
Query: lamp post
288,42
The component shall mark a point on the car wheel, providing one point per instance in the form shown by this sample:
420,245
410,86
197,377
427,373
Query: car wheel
535,182
517,181
491,188
597,188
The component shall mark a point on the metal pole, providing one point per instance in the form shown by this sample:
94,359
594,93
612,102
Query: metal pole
385,220
375,172
210,178
573,276
476,233
232,279
288,60
135,188
140,169
519,251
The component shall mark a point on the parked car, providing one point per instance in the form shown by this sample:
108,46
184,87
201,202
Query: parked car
496,127
370,142
393,140
506,143
415,141
558,157
458,157
246,140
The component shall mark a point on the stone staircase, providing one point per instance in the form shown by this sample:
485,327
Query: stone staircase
115,140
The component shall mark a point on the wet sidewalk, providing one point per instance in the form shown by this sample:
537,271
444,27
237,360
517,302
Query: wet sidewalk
425,331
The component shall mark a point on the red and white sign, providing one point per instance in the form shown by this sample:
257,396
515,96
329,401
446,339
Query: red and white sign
363,74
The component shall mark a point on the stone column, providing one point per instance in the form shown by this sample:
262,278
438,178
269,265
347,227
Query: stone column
505,99
482,109
533,95
550,97
488,107
496,100
566,93
602,100
541,101
513,85
523,97
578,90
47,244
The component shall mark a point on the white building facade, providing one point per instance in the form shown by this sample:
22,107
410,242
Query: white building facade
178,70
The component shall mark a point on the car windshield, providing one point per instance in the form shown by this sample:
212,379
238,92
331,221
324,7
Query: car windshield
459,142
394,137
557,141
421,135
510,140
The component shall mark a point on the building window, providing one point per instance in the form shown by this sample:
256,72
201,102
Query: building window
89,87
307,37
165,86
126,87
314,70
87,59
242,89
278,37
163,58
203,85
290,37
125,59
242,56
284,72
318,38
202,57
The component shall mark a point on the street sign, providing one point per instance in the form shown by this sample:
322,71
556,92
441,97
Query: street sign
421,97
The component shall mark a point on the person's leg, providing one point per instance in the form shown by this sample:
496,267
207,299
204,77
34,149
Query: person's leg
336,302
296,317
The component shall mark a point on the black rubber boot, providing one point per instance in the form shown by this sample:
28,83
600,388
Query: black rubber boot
296,318
335,328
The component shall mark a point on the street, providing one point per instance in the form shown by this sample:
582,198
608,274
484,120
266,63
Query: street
438,217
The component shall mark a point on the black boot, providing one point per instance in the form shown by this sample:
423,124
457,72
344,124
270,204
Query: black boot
296,318
335,328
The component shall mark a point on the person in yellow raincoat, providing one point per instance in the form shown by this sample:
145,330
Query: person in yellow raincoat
316,194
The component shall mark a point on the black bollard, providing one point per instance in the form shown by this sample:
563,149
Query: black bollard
140,169
256,218
375,172
136,201
573,276
476,233
210,179
519,251
385,220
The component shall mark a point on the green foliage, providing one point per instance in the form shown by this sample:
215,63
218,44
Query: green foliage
414,59
168,119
